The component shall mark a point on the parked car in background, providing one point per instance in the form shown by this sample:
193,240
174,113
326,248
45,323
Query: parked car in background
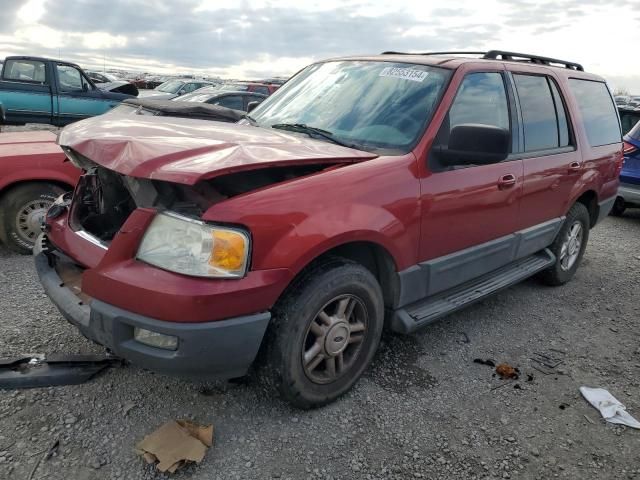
174,88
263,88
629,191
41,90
622,99
170,108
97,77
403,195
628,117
34,171
228,99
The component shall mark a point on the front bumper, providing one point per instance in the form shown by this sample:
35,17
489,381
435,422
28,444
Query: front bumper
221,349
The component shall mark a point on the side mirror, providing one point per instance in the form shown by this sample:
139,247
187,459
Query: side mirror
475,144
251,106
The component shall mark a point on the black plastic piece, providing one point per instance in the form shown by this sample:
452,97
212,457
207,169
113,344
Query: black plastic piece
471,144
31,371
504,55
514,56
424,312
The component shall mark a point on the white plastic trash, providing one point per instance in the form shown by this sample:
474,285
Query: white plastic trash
610,408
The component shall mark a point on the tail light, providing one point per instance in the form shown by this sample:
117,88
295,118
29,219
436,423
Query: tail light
628,148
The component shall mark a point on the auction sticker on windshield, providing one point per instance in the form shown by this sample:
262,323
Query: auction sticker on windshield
405,73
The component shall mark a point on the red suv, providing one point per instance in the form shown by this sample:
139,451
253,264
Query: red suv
390,189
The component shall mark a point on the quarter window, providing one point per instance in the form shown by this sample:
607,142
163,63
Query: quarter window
598,111
544,127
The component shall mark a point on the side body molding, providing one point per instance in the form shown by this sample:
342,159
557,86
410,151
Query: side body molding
439,274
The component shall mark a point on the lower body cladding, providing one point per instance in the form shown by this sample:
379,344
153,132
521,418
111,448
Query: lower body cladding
205,350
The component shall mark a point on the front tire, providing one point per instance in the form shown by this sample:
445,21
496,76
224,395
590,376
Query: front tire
324,334
22,211
569,246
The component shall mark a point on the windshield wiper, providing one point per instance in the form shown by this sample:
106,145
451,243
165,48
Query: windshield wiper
311,131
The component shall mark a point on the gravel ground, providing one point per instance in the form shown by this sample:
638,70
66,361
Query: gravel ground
423,410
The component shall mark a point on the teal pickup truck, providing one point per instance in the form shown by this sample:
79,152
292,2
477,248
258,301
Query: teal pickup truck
41,90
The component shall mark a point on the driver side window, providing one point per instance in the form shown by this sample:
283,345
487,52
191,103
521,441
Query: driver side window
481,100
70,78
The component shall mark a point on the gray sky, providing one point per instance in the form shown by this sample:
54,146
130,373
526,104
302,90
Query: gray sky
246,38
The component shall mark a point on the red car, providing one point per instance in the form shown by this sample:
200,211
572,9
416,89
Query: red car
34,171
263,88
394,188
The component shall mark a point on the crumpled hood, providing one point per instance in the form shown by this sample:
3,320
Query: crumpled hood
186,151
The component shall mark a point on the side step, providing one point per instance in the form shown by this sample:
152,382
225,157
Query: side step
424,312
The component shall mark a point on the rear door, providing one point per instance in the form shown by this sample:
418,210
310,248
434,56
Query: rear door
469,213
25,95
548,148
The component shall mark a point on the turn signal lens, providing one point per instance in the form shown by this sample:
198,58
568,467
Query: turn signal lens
229,250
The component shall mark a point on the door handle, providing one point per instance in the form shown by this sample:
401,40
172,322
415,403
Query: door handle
574,166
507,181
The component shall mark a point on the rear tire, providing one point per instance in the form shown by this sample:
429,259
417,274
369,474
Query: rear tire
22,210
323,335
569,246
618,208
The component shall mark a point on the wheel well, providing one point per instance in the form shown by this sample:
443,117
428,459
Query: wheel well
11,186
374,258
590,200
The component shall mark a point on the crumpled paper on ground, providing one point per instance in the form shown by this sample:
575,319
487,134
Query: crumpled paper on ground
175,443
610,408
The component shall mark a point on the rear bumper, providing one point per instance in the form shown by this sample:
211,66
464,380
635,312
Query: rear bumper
630,193
219,349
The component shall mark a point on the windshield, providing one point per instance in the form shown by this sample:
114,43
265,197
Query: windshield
170,86
373,105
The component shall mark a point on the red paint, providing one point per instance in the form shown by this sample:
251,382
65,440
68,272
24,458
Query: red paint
187,151
33,156
392,201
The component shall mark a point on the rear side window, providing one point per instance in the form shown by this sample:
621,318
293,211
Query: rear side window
629,120
543,116
24,71
263,90
598,112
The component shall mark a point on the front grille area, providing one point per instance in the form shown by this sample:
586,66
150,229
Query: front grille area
101,204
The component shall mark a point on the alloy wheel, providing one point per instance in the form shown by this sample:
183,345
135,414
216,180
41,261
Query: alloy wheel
334,338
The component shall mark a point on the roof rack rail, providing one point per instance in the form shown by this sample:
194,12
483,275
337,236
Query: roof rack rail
494,54
502,55
434,53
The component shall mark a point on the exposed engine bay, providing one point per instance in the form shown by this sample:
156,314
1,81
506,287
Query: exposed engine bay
104,199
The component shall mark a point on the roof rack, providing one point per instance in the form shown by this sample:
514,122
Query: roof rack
519,57
503,55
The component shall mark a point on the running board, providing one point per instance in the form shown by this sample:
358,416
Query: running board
421,313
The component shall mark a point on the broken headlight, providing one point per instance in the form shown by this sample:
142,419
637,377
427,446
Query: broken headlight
191,247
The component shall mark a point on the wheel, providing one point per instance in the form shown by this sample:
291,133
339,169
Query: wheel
569,246
22,212
618,207
324,334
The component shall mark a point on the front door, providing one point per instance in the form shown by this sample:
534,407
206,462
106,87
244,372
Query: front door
77,97
469,213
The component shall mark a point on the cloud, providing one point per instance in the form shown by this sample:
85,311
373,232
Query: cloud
271,37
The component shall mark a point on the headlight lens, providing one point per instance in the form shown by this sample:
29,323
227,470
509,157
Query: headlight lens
191,247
